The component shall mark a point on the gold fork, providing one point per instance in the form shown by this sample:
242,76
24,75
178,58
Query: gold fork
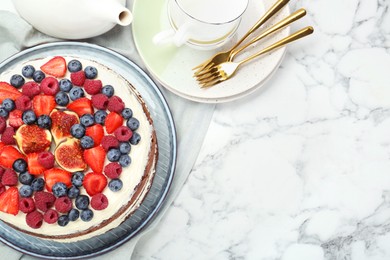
227,69
224,56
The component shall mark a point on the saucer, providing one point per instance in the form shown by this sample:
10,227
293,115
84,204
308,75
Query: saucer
172,66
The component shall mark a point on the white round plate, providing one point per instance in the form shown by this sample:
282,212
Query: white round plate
172,66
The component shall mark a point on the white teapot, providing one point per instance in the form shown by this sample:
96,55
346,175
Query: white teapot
74,19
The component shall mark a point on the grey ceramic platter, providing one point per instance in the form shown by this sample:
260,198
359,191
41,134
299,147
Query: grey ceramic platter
166,137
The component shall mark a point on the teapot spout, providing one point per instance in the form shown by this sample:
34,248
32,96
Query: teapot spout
115,12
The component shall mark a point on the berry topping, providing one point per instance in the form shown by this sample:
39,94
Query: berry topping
44,121
109,141
82,202
26,178
9,201
86,142
115,104
73,214
63,220
77,78
123,133
124,147
31,89
127,113
125,160
34,167
59,189
135,139
8,136
26,205
96,132
34,219
92,86
108,90
65,85
100,101
38,184
63,204
43,104
115,185
99,201
17,80
90,72
46,159
62,99
133,123
113,121
8,154
10,178
25,191
76,93
74,66
38,76
77,131
94,157
15,118
73,192
100,117
8,91
113,155
55,67
20,165
86,215
3,124
50,216
8,104
113,170
54,175
44,200
29,117
77,179
23,103
87,120
81,106
28,71
94,183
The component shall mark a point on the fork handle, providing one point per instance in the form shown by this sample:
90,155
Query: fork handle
271,12
293,37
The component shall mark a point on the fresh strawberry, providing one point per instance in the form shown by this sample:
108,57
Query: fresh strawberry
55,67
15,118
96,132
34,167
94,183
81,106
113,121
54,175
43,104
8,154
8,91
9,201
95,157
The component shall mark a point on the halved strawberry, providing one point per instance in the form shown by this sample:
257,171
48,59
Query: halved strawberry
96,132
34,167
15,118
113,121
95,157
9,201
94,183
81,106
8,91
54,175
55,67
8,154
43,104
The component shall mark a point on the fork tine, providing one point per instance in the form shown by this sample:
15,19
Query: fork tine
208,76
208,70
212,82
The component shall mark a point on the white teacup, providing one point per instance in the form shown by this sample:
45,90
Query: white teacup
202,24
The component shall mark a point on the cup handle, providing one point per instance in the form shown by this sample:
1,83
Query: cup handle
171,36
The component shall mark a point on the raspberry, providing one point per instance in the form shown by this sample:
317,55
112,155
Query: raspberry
63,204
49,86
34,219
44,200
8,136
99,201
23,103
3,124
123,134
31,89
113,170
46,159
100,101
51,216
115,104
109,141
26,205
92,86
2,170
77,78
2,188
10,178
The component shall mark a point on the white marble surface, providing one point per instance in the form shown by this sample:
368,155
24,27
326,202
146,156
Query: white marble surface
300,169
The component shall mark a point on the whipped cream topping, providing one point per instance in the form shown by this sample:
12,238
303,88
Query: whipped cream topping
131,176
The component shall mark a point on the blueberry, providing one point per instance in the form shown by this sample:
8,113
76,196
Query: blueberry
59,189
124,147
115,185
38,184
44,121
26,178
8,104
77,130
29,117
113,155
87,120
73,192
63,220
62,98
124,160
86,215
135,139
127,113
20,165
100,116
38,76
132,123
77,179
108,90
3,112
90,72
28,71
74,66
25,191
65,85
86,142
82,202
73,214
76,93
17,80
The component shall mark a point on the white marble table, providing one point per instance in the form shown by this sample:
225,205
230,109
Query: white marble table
300,169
